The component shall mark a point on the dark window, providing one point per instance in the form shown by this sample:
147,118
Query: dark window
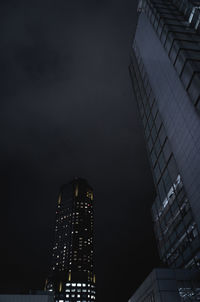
157,172
167,180
172,168
161,161
153,133
162,135
166,150
161,190
158,121
153,158
157,147
150,121
154,110
147,131
151,98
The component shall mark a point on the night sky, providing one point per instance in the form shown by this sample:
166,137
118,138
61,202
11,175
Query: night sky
67,109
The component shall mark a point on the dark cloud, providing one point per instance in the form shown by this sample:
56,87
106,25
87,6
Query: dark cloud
67,109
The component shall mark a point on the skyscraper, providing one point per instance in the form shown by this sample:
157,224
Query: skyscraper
72,275
165,72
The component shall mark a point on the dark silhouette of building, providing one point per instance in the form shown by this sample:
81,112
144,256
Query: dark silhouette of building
165,73
27,298
72,275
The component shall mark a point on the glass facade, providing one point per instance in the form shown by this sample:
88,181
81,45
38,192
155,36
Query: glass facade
177,24
72,275
176,231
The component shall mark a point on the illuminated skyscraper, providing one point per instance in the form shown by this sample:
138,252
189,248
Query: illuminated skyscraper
72,275
165,72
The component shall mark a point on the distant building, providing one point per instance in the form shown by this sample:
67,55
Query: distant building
72,276
169,285
26,298
165,72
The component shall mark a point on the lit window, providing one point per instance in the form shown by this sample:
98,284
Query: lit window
73,284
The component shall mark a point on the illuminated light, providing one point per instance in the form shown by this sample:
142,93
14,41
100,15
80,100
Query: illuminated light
170,194
90,195
69,277
45,285
59,199
73,284
60,287
78,284
94,279
76,191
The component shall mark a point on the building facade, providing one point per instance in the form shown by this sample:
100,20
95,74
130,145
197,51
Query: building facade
170,285
165,73
72,276
26,298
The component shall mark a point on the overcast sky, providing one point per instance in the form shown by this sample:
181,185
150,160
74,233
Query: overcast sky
67,109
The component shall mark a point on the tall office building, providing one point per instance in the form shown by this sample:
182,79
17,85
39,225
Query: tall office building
165,72
72,275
